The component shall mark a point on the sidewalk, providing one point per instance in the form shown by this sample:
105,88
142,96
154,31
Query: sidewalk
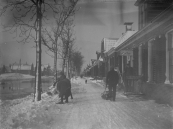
89,111
162,94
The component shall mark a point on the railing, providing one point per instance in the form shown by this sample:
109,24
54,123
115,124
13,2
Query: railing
133,84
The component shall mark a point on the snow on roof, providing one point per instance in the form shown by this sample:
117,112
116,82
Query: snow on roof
112,38
109,43
109,39
124,37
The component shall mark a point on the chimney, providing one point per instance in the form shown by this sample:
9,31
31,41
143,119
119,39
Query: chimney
128,26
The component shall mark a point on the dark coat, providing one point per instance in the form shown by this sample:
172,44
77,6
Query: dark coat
64,87
112,77
58,79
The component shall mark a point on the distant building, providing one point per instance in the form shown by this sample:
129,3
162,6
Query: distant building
101,66
149,51
125,56
21,68
107,44
94,67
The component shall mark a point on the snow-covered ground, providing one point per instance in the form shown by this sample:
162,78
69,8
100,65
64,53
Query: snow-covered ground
24,110
86,111
98,82
15,113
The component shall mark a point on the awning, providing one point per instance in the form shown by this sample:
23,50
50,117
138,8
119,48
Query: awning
126,52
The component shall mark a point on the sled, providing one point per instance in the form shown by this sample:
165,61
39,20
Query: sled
106,95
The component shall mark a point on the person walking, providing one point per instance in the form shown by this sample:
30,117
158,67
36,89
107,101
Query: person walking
64,88
112,80
85,81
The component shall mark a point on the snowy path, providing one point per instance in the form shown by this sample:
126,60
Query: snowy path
86,111
89,111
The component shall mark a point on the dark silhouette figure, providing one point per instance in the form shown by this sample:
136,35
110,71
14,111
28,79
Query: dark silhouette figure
64,88
112,80
86,81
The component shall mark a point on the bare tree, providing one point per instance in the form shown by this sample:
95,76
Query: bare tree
24,18
51,37
68,42
58,40
77,61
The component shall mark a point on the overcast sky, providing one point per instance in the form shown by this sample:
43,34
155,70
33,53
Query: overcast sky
94,20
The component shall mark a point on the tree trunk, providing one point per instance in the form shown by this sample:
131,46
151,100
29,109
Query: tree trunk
55,63
63,65
67,69
38,74
70,63
35,69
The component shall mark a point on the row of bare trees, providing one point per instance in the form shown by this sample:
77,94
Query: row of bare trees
63,48
29,20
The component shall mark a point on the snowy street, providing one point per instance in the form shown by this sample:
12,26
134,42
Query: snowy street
89,111
86,64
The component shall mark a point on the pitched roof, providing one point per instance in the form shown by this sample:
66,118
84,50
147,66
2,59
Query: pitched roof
124,37
109,43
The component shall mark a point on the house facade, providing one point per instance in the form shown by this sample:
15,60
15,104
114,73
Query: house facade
149,51
121,58
152,45
152,48
106,45
94,68
21,68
